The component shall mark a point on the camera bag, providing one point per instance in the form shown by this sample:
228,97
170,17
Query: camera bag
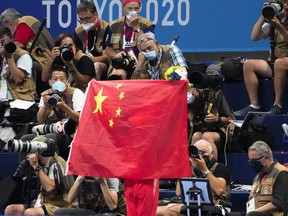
232,69
242,139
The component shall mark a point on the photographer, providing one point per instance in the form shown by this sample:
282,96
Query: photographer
124,32
204,166
79,66
155,59
90,36
97,196
50,170
16,83
275,28
211,114
58,103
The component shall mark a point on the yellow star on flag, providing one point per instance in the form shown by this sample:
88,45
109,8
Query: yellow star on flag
99,100
118,111
121,95
118,86
111,123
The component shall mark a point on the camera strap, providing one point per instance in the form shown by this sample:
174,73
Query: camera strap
58,177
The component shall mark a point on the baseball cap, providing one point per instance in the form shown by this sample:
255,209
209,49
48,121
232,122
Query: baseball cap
129,1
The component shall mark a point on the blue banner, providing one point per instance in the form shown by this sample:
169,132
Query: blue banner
202,26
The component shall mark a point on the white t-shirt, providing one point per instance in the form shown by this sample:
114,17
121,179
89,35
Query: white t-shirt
77,99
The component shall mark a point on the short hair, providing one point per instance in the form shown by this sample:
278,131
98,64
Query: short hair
58,65
86,6
5,31
146,37
58,40
205,142
11,14
262,149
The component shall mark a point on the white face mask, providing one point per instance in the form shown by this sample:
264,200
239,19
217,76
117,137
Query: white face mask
130,13
87,26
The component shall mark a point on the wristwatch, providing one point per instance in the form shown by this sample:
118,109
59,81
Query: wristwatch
205,173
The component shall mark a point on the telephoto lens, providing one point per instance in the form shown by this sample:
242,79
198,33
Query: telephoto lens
66,52
194,152
9,47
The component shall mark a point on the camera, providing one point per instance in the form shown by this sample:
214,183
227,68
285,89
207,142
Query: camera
55,96
125,63
65,126
204,81
194,152
9,47
46,149
273,9
66,52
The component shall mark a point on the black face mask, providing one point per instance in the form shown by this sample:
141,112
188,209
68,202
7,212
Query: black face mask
206,158
256,165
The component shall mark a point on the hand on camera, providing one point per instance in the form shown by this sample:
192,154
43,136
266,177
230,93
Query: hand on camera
199,163
33,159
55,52
120,54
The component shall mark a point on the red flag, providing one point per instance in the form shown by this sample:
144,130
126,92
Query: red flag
132,129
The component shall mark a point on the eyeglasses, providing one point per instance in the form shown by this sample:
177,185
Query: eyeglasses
257,159
84,19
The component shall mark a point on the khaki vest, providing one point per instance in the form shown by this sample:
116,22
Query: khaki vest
117,32
81,33
55,200
281,46
265,191
26,90
52,118
42,49
165,62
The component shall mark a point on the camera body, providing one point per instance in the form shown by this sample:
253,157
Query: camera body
55,97
273,9
205,81
46,149
9,47
126,63
66,52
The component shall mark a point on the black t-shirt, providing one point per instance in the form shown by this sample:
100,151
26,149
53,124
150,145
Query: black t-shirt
221,171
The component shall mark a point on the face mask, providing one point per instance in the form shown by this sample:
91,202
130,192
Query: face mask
130,13
206,158
150,55
59,86
256,166
87,26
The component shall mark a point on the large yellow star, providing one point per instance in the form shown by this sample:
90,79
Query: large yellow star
99,100
118,111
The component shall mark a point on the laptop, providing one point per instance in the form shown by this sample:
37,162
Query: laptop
191,187
250,119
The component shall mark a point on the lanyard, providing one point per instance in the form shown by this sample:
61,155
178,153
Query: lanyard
260,182
97,24
124,35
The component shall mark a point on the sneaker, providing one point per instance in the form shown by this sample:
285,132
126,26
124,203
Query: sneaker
285,129
245,110
275,110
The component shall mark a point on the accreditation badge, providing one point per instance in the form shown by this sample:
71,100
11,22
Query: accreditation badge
250,205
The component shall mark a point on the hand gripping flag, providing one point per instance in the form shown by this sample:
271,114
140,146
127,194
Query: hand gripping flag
132,129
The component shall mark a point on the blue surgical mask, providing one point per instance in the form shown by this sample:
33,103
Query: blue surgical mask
130,13
58,85
150,55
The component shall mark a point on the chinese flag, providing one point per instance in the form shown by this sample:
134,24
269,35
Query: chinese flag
132,129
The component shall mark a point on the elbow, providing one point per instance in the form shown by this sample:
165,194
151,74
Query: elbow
220,191
113,206
49,188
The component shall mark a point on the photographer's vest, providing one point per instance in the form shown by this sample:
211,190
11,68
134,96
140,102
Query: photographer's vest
100,34
281,46
26,90
225,197
44,44
164,64
117,32
52,117
58,198
262,188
